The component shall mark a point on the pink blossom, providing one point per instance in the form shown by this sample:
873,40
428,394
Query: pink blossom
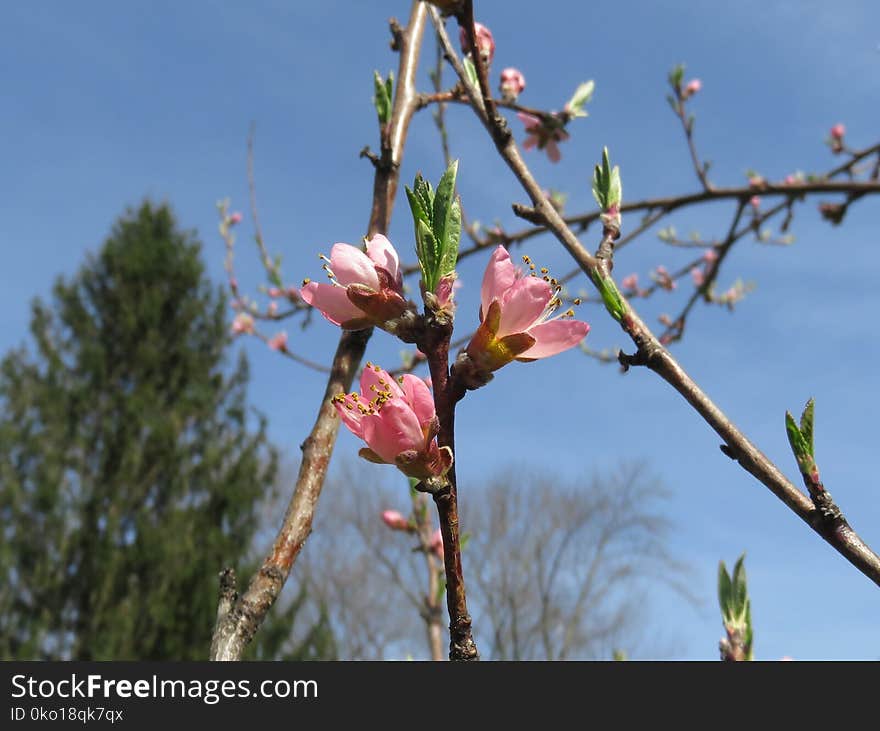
397,421
395,520
272,309
234,218
543,133
789,180
436,544
692,87
485,42
710,256
364,289
698,277
838,131
515,317
512,83
756,181
755,202
278,342
274,292
630,282
243,323
664,278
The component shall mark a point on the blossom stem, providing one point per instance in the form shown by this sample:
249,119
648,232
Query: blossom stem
447,393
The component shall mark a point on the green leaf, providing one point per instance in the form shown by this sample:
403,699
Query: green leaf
471,72
382,97
724,589
607,188
676,76
748,634
795,438
740,591
807,425
447,221
416,205
610,295
581,96
428,255
672,103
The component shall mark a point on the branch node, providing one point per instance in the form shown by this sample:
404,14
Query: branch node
396,34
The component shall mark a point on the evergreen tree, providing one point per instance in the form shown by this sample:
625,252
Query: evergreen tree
130,464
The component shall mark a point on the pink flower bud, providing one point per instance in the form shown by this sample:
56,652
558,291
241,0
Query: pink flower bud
692,87
512,83
436,544
698,277
234,218
274,292
630,282
292,293
278,342
755,202
485,42
838,131
272,309
395,520
710,256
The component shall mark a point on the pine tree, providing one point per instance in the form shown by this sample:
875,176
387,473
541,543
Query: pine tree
131,465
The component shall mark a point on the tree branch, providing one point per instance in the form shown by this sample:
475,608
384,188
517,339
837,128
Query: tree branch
652,354
236,629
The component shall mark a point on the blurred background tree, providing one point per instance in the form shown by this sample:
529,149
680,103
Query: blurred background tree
131,467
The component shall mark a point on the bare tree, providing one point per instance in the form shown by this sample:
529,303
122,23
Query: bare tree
563,565
559,568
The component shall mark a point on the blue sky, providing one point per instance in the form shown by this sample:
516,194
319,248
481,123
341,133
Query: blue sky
109,102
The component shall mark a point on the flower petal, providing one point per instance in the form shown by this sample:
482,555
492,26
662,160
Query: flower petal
383,254
552,150
350,414
350,265
523,304
418,395
375,379
394,430
555,336
499,277
332,301
529,120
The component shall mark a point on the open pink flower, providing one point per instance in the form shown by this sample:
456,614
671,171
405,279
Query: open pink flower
515,317
243,323
397,421
365,289
395,520
543,133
